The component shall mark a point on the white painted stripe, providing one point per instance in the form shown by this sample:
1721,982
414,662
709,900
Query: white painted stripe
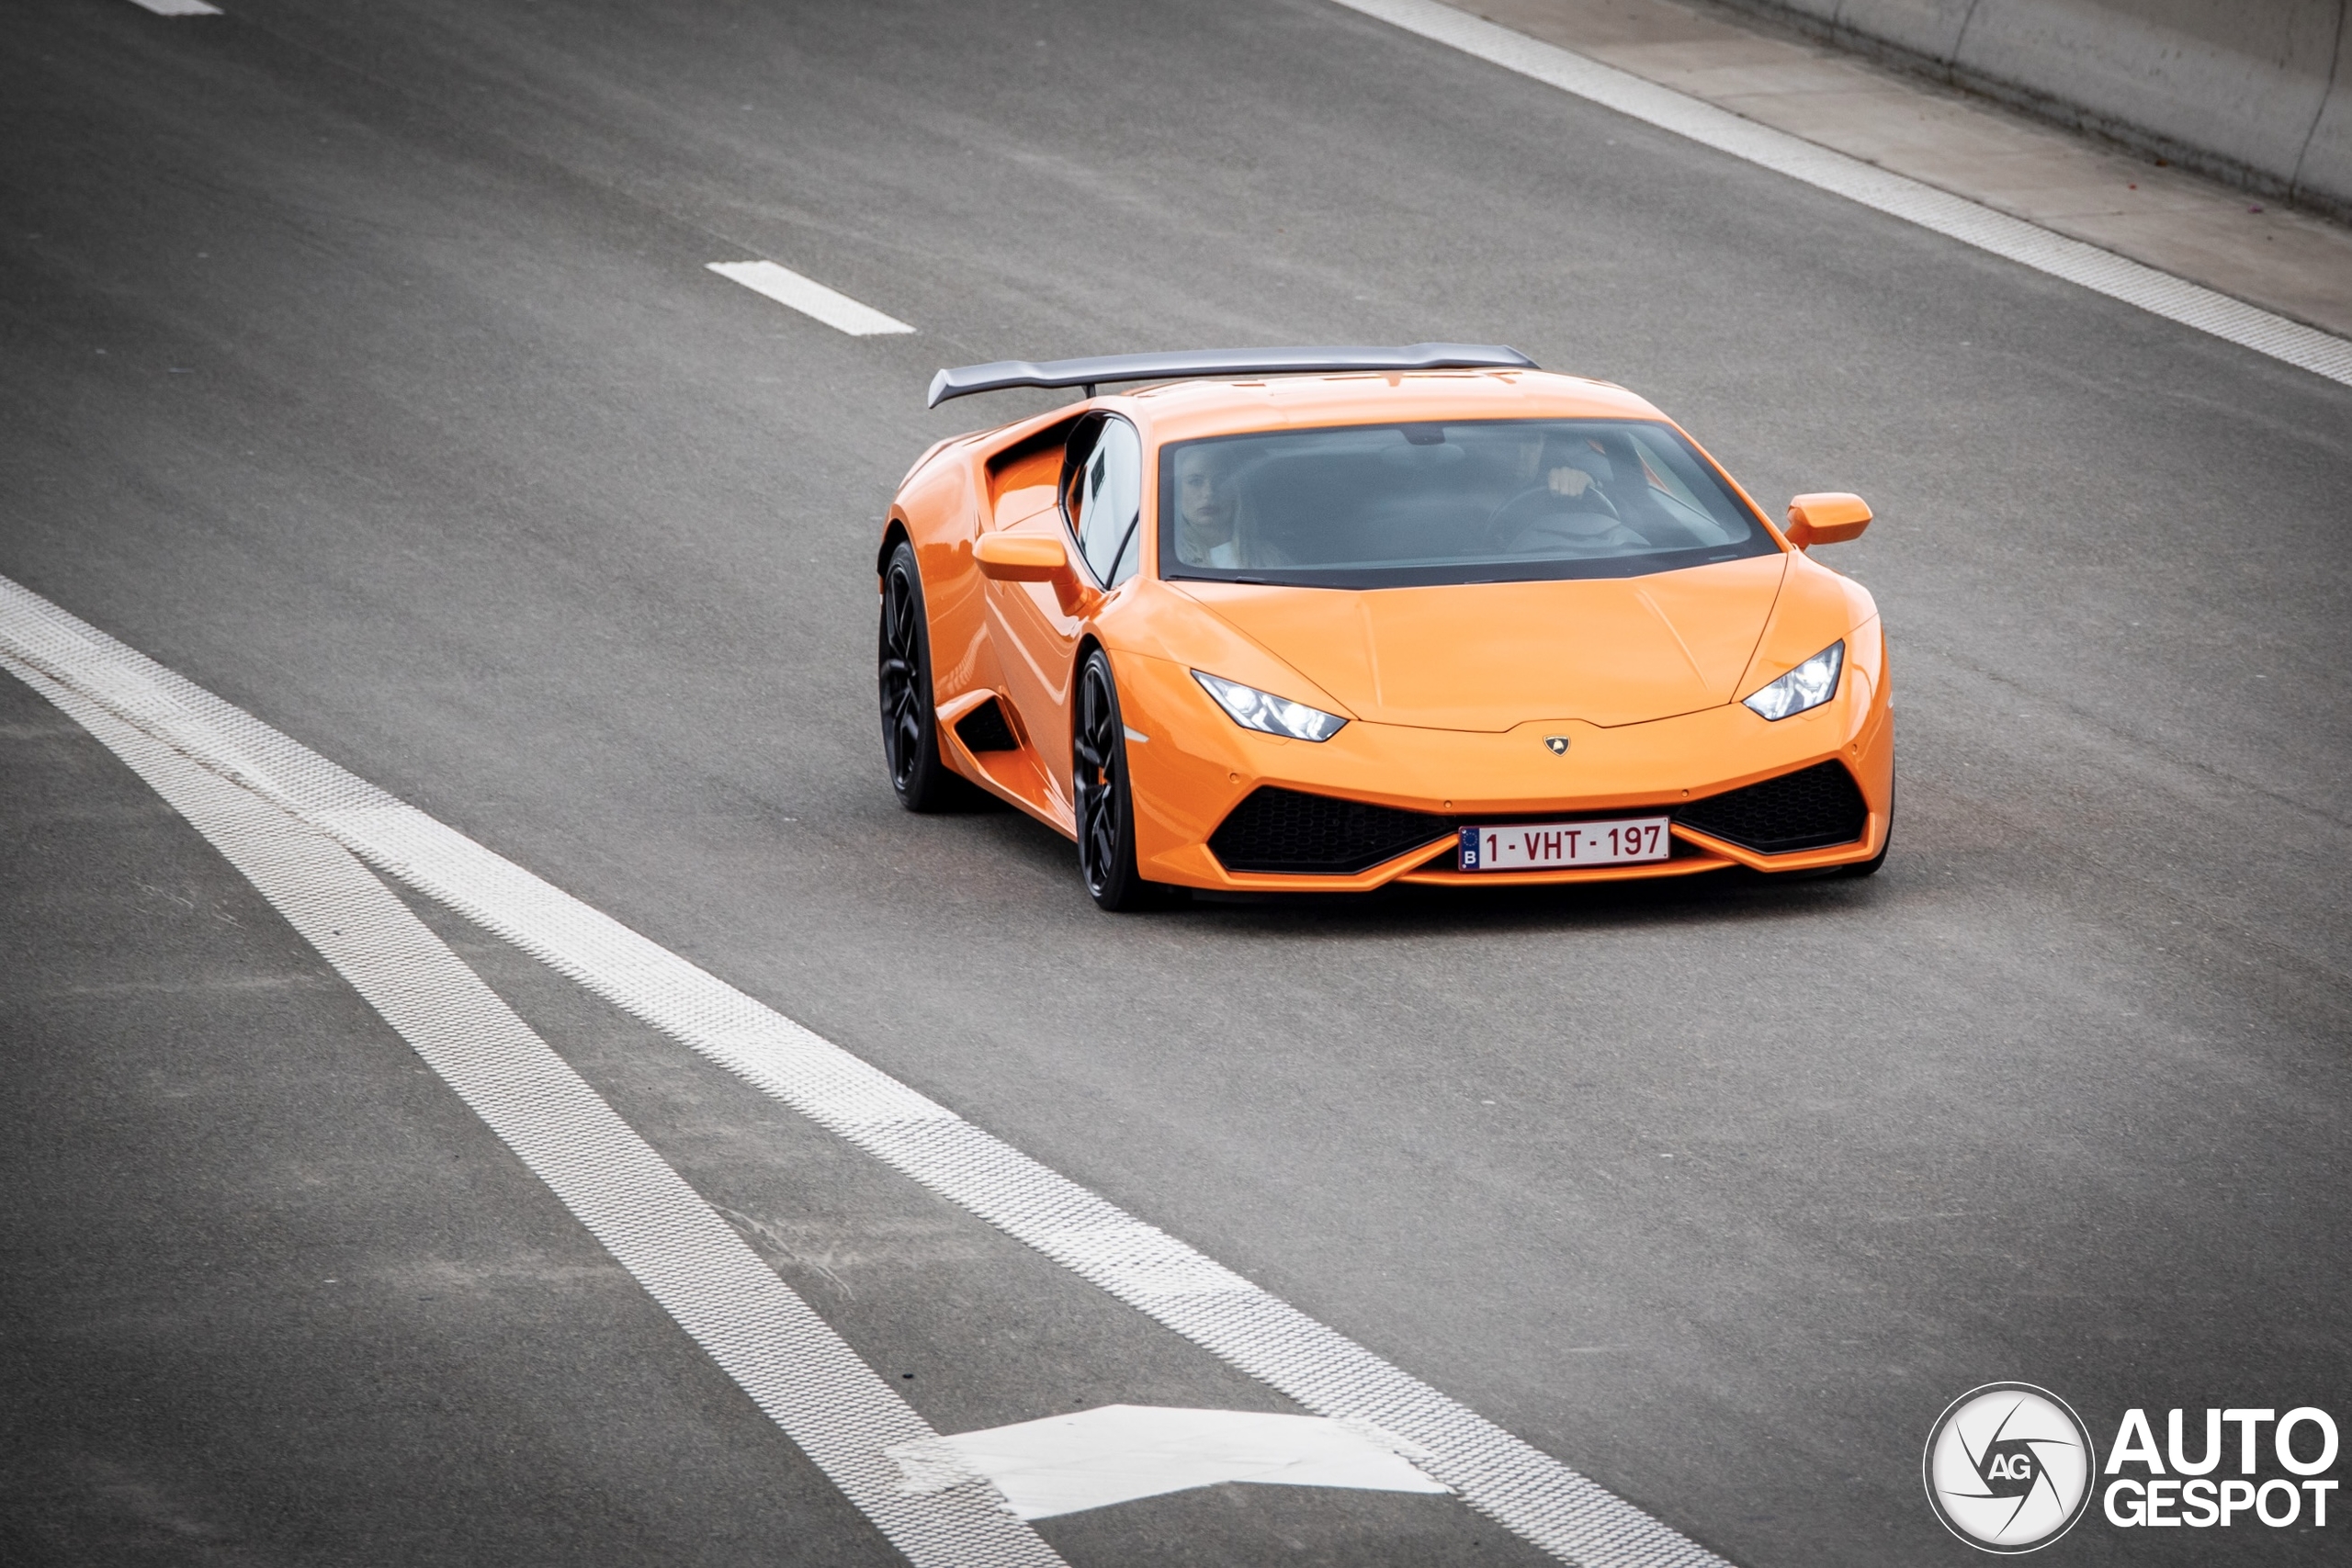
178,7
1519,1486
1956,216
800,1373
1093,1459
809,297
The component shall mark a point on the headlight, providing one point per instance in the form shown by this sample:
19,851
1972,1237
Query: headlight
1808,685
1254,709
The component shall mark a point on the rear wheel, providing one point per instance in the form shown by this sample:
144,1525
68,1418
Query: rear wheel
1105,800
918,774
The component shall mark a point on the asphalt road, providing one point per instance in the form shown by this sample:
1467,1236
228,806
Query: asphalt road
360,363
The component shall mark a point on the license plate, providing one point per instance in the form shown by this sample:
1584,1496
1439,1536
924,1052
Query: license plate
1557,846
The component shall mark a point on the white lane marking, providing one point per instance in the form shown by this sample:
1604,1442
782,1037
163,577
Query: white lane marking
798,1371
1065,1465
178,7
1511,1482
1956,216
809,297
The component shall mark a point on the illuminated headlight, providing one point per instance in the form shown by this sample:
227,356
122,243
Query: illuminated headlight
1254,709
1808,685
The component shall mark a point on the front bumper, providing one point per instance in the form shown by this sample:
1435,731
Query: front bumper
1197,765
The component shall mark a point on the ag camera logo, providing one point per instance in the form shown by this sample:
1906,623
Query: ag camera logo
2009,1467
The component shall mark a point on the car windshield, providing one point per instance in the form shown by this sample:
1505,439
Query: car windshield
1407,505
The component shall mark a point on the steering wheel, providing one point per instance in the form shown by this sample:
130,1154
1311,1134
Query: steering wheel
1511,519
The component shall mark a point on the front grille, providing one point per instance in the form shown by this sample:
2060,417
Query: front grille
1804,810
984,729
1283,829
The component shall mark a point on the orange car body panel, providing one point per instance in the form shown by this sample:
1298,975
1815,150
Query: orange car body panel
1451,692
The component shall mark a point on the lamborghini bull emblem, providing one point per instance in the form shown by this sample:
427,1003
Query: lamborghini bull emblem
1558,743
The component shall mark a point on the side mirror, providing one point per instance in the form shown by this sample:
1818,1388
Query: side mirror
1020,557
1830,517
1032,557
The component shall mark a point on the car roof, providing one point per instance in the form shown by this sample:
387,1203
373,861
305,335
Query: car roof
1185,410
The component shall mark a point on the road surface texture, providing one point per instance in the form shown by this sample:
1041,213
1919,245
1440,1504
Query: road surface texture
361,363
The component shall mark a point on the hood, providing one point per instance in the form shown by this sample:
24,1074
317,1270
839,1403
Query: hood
1488,656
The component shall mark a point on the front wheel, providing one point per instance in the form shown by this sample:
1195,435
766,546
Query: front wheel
1870,866
1104,796
918,774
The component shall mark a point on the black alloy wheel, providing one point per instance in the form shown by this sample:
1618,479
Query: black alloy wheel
1106,814
910,730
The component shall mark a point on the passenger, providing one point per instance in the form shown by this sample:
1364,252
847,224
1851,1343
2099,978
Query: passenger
1206,507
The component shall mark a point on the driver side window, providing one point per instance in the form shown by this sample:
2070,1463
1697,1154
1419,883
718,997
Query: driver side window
1106,503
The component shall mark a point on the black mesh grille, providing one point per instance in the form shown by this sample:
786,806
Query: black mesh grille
984,729
1282,830
1804,810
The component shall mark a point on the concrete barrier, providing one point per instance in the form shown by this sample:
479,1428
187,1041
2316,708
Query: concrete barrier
2257,91
2327,164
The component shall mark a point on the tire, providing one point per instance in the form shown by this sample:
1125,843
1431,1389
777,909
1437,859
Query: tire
1869,867
1104,797
918,775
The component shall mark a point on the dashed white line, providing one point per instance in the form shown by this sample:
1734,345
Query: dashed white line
801,1373
1510,1480
177,7
811,298
1956,216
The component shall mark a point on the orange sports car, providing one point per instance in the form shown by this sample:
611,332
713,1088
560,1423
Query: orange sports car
1326,618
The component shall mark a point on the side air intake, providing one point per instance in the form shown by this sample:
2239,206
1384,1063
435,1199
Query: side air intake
984,729
1810,809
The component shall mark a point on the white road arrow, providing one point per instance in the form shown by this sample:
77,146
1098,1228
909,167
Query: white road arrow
1117,1453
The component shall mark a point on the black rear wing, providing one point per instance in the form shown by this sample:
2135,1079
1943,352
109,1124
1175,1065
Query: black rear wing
1219,363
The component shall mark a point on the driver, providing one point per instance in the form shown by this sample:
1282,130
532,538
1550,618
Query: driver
1583,521
1205,508
1576,466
